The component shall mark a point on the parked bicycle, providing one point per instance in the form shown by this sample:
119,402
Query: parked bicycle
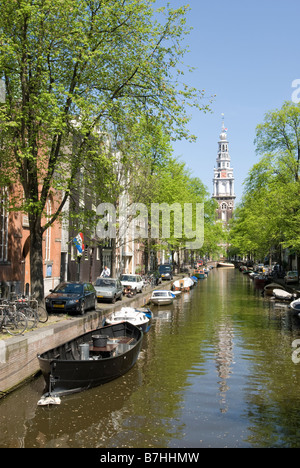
12,320
23,306
34,311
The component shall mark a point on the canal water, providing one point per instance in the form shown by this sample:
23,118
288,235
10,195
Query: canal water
216,370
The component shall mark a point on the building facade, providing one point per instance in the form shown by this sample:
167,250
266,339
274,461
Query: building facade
223,181
15,248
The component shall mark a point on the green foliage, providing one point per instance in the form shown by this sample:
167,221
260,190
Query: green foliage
269,215
74,70
75,67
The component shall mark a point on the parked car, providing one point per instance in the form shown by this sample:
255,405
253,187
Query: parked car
134,281
166,271
71,296
108,289
291,277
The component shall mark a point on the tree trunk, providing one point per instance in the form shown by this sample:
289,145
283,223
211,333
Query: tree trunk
36,259
113,258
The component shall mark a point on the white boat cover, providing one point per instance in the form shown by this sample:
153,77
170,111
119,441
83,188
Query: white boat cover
280,294
128,314
187,283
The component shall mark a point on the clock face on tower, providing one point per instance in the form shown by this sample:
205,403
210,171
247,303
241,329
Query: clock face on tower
223,174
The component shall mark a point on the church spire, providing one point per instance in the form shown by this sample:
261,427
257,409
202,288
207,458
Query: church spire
223,178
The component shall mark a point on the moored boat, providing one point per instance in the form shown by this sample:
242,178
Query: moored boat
146,311
162,297
199,273
225,265
176,293
282,295
269,288
91,359
131,315
295,306
260,281
184,284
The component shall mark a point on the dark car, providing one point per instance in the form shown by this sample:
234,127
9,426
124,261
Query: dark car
71,296
166,271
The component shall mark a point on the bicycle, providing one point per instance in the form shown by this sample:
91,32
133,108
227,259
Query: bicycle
40,309
12,320
22,305
34,311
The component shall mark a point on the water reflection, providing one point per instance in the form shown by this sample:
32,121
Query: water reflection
215,370
224,359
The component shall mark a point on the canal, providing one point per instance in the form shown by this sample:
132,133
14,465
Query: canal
215,370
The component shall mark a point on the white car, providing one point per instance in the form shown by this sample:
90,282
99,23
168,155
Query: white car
135,281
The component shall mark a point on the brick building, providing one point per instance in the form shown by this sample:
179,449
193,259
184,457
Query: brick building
15,248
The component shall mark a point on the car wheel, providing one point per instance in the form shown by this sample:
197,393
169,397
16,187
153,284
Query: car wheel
82,308
95,304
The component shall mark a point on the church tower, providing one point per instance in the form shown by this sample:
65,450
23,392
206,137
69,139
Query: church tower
224,180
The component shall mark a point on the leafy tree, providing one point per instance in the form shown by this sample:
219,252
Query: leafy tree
74,68
269,216
280,135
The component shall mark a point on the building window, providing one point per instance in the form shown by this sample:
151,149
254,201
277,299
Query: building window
73,253
98,253
3,224
49,270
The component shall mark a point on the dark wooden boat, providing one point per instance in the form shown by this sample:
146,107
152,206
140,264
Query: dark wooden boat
260,281
91,359
269,288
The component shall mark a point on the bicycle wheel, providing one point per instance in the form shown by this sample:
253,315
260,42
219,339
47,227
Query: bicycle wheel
31,315
42,314
15,324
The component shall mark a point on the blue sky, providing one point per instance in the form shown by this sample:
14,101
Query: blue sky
247,54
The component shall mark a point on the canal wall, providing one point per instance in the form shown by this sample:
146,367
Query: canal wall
18,355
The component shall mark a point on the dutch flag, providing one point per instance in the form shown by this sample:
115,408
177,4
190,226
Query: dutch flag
78,242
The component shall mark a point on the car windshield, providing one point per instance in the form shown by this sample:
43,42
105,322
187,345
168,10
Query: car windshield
128,278
67,288
106,283
164,268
